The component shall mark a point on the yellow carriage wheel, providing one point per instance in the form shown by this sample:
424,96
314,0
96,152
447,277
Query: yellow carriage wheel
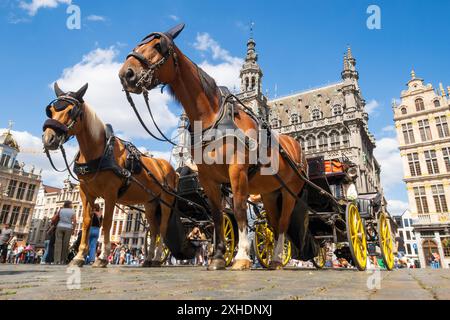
385,241
165,250
319,261
265,244
356,236
230,239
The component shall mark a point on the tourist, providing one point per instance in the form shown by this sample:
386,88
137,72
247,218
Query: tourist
94,233
6,235
197,237
49,241
400,246
122,255
116,254
64,230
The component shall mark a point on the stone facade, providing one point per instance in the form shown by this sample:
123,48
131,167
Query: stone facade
421,121
329,121
18,188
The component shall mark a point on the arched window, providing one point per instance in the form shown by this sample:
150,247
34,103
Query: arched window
437,104
302,142
345,139
316,114
294,118
311,143
334,140
337,110
246,83
404,111
253,83
323,142
420,106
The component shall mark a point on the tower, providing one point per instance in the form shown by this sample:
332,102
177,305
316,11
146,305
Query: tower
350,76
181,153
251,81
8,148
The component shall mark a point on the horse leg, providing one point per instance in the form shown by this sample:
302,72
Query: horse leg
102,260
239,186
150,215
214,194
87,202
288,204
166,211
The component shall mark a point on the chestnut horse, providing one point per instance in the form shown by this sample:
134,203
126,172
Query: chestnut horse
157,60
70,116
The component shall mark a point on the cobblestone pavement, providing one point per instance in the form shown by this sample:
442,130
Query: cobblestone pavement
50,282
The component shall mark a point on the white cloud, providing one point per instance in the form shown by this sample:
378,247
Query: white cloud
372,106
100,69
388,129
33,7
226,71
174,17
388,155
96,18
32,154
397,207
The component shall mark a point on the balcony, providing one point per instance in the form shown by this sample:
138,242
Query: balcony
432,218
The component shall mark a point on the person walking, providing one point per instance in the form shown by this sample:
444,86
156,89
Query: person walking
94,233
64,229
6,235
49,242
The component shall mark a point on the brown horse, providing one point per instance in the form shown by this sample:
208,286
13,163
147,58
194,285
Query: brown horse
156,60
70,116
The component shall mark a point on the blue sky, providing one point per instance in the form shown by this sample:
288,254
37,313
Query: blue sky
300,45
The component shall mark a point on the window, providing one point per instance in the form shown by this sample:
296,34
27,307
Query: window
114,231
24,217
4,161
30,192
345,139
334,140
404,111
420,105
311,143
137,224
431,160
337,110
446,154
14,216
437,104
439,198
119,232
406,222
21,190
12,188
323,142
129,222
316,114
442,126
408,133
4,213
294,118
414,164
275,123
408,248
408,235
446,246
424,128
421,200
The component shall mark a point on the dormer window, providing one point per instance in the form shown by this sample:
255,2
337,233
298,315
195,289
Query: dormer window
420,106
316,114
437,104
275,123
404,111
337,110
294,118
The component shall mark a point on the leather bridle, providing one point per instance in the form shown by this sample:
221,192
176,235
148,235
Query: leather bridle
147,79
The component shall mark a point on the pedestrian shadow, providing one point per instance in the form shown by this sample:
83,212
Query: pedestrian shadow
13,273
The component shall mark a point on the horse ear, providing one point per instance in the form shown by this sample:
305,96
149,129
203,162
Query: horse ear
80,93
58,90
175,31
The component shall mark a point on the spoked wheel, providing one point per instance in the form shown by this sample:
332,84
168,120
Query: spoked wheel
230,239
356,236
385,241
319,261
265,244
165,251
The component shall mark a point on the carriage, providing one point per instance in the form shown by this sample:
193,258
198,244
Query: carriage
356,228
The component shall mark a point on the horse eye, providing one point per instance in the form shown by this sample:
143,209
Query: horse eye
158,47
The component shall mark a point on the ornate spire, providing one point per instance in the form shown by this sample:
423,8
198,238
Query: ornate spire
349,53
10,125
413,74
346,68
441,87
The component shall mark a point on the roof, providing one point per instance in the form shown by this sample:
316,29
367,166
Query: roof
7,139
49,189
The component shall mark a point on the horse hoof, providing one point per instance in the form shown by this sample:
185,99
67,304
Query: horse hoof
241,264
275,265
77,263
100,263
217,264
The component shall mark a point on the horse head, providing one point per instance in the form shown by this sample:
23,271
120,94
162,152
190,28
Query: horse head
63,114
152,62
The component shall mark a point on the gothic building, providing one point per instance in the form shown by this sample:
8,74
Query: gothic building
329,121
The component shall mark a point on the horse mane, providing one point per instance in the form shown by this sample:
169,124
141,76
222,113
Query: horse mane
94,124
